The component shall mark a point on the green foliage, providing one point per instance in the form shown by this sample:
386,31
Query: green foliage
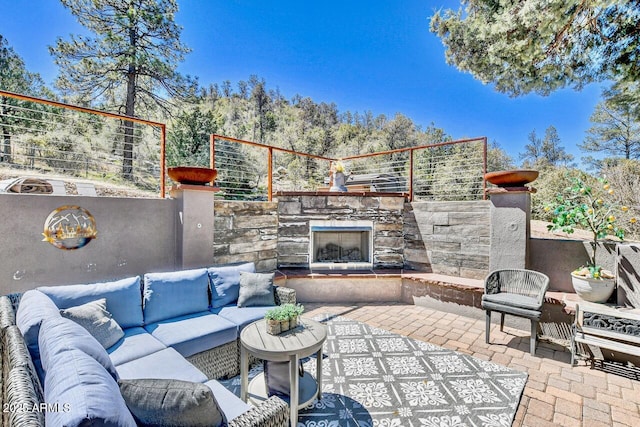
14,77
188,138
284,312
591,207
498,159
616,126
542,45
542,153
131,59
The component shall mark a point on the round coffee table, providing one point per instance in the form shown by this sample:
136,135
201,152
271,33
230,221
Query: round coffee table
302,341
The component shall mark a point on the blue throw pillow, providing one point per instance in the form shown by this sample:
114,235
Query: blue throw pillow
80,392
34,307
124,298
176,293
60,335
225,281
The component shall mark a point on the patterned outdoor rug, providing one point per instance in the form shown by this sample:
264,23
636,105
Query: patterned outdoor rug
372,377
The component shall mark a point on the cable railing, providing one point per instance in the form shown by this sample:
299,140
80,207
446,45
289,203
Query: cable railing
46,137
49,138
447,171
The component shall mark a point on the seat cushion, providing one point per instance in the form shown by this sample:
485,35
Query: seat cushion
512,300
241,316
167,364
34,307
156,402
256,289
225,281
124,298
194,333
230,404
175,293
60,335
94,317
136,343
84,393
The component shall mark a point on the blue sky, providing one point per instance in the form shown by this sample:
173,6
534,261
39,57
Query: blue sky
362,55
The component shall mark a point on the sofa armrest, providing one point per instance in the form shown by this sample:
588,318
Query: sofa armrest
273,412
7,313
284,295
22,388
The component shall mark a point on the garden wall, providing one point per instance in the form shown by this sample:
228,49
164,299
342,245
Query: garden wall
134,236
246,232
456,236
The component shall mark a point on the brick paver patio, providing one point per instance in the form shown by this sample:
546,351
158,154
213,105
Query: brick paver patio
555,394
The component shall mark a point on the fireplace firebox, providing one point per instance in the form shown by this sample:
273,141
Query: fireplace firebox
341,244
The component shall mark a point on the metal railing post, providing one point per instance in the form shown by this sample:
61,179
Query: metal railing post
484,168
411,175
163,159
270,175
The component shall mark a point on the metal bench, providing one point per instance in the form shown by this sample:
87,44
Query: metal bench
599,325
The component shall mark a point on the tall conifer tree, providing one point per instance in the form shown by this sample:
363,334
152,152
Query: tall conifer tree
131,56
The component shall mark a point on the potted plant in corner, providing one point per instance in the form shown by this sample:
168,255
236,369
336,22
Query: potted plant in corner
591,208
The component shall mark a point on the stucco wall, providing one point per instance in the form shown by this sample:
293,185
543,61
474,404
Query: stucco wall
246,232
135,236
557,258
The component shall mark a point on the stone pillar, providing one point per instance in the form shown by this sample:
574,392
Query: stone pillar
510,227
194,225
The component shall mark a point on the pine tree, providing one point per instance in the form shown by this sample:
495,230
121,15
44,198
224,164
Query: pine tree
131,56
616,128
14,77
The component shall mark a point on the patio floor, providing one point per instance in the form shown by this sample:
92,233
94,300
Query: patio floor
555,393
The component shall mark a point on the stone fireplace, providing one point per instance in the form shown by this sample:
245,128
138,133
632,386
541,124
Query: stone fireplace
329,231
341,244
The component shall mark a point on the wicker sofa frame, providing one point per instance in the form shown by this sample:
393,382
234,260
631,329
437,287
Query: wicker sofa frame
22,397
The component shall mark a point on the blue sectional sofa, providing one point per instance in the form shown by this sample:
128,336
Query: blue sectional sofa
171,329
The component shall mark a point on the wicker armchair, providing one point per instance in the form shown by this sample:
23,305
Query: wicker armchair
517,292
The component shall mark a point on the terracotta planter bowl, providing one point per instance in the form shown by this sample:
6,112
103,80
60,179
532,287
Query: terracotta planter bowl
192,175
515,178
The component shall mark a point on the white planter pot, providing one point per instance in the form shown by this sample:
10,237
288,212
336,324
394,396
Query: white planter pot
593,290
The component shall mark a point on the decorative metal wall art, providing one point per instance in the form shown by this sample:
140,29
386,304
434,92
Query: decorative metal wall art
69,227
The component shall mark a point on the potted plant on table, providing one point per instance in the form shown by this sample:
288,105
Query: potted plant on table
590,207
282,318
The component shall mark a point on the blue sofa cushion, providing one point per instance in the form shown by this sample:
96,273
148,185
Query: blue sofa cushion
83,393
256,289
167,364
176,293
136,343
34,307
230,404
241,316
156,402
60,335
124,298
94,317
225,281
194,333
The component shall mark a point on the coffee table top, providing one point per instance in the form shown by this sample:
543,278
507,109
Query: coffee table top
303,340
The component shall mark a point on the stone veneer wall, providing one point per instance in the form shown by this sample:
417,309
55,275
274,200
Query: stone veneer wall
386,212
456,236
245,232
